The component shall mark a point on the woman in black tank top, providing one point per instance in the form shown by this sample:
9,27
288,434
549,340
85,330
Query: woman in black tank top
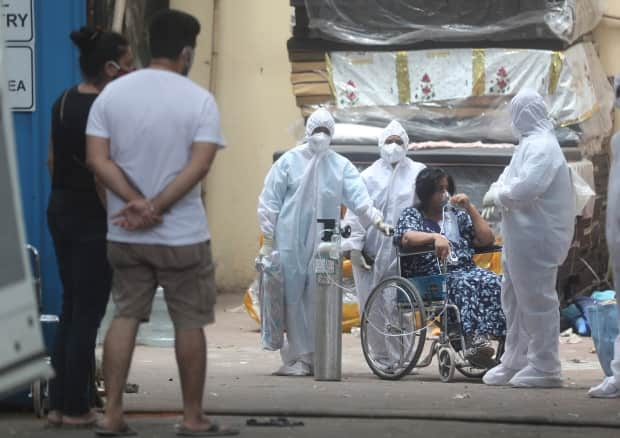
77,222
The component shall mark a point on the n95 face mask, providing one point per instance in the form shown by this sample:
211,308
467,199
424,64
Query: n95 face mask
319,142
392,153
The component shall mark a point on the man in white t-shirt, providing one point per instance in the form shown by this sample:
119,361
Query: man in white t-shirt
152,136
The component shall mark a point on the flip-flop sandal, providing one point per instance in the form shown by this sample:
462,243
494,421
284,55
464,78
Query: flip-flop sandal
125,431
214,430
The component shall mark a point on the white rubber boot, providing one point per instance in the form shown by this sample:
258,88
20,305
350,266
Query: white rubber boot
530,377
609,388
499,376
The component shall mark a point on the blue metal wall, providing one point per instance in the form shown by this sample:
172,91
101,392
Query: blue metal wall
56,62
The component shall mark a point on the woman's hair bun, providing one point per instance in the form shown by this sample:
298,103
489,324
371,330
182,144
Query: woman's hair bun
85,38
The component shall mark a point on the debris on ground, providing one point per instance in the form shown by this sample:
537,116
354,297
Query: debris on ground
132,388
238,309
566,333
274,422
462,396
570,337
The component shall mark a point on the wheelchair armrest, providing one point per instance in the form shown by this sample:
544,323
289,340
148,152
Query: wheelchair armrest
488,249
416,250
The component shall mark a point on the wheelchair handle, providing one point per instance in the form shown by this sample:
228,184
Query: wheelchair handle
346,232
425,249
488,249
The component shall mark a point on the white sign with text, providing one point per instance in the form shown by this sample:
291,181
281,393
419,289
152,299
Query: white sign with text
18,28
17,20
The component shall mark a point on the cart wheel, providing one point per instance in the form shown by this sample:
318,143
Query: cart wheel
38,402
447,363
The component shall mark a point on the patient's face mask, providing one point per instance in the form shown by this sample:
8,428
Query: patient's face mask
445,198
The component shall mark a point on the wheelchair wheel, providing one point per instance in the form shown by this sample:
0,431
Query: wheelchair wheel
447,363
471,371
37,392
393,328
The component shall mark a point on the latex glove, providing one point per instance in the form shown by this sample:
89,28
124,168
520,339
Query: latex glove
358,260
267,247
386,229
489,198
487,213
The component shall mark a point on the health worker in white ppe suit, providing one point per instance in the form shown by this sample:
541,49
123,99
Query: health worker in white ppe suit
537,203
307,183
610,387
391,183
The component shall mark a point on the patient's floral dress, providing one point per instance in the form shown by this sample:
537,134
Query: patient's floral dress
475,291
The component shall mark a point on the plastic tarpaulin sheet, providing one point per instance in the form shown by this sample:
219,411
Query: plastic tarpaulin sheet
401,22
271,298
463,94
603,319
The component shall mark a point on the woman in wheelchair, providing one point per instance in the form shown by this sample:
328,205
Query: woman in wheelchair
455,227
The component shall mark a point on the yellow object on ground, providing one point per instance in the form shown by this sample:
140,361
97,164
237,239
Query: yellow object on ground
347,269
249,306
491,261
350,310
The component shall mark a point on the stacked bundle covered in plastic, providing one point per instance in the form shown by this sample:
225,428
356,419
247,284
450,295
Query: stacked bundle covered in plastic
463,94
406,22
447,71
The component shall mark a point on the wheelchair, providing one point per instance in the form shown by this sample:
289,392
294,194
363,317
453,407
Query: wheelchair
399,313
39,389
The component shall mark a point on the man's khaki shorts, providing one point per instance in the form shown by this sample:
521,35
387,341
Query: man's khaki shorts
186,274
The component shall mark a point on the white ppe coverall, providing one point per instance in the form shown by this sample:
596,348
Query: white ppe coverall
538,205
610,387
306,184
391,185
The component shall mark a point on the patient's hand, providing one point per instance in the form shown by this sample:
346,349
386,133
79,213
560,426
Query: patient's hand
442,246
461,200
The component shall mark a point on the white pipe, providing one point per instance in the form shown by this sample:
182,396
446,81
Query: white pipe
119,15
